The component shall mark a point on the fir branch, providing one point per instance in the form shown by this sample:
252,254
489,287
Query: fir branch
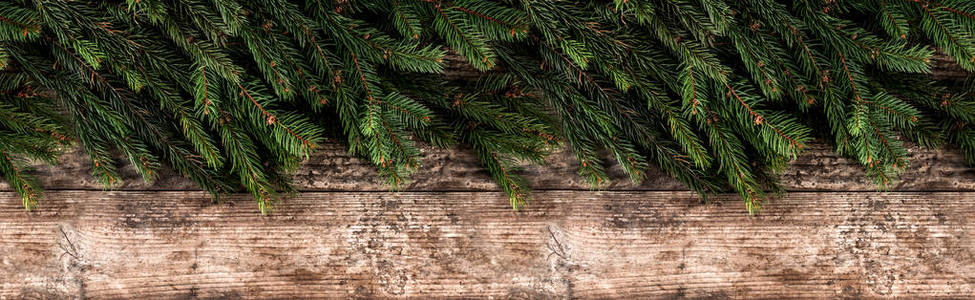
718,94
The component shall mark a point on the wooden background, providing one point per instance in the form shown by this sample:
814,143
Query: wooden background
451,233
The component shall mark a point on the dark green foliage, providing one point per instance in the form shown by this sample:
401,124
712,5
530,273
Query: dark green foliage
719,94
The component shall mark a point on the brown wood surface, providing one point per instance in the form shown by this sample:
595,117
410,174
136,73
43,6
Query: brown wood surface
450,233
332,169
461,244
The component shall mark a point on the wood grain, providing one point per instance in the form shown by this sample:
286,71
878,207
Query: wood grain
332,169
452,234
460,244
945,67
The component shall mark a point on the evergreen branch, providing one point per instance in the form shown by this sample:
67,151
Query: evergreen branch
272,119
899,28
933,4
856,92
759,120
398,13
462,36
955,45
321,55
24,186
602,77
362,78
809,56
693,88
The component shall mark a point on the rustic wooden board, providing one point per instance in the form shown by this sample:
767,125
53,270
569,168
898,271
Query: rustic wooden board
432,244
332,169
452,234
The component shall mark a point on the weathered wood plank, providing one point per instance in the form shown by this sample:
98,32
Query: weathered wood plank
944,67
433,244
332,169
647,240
